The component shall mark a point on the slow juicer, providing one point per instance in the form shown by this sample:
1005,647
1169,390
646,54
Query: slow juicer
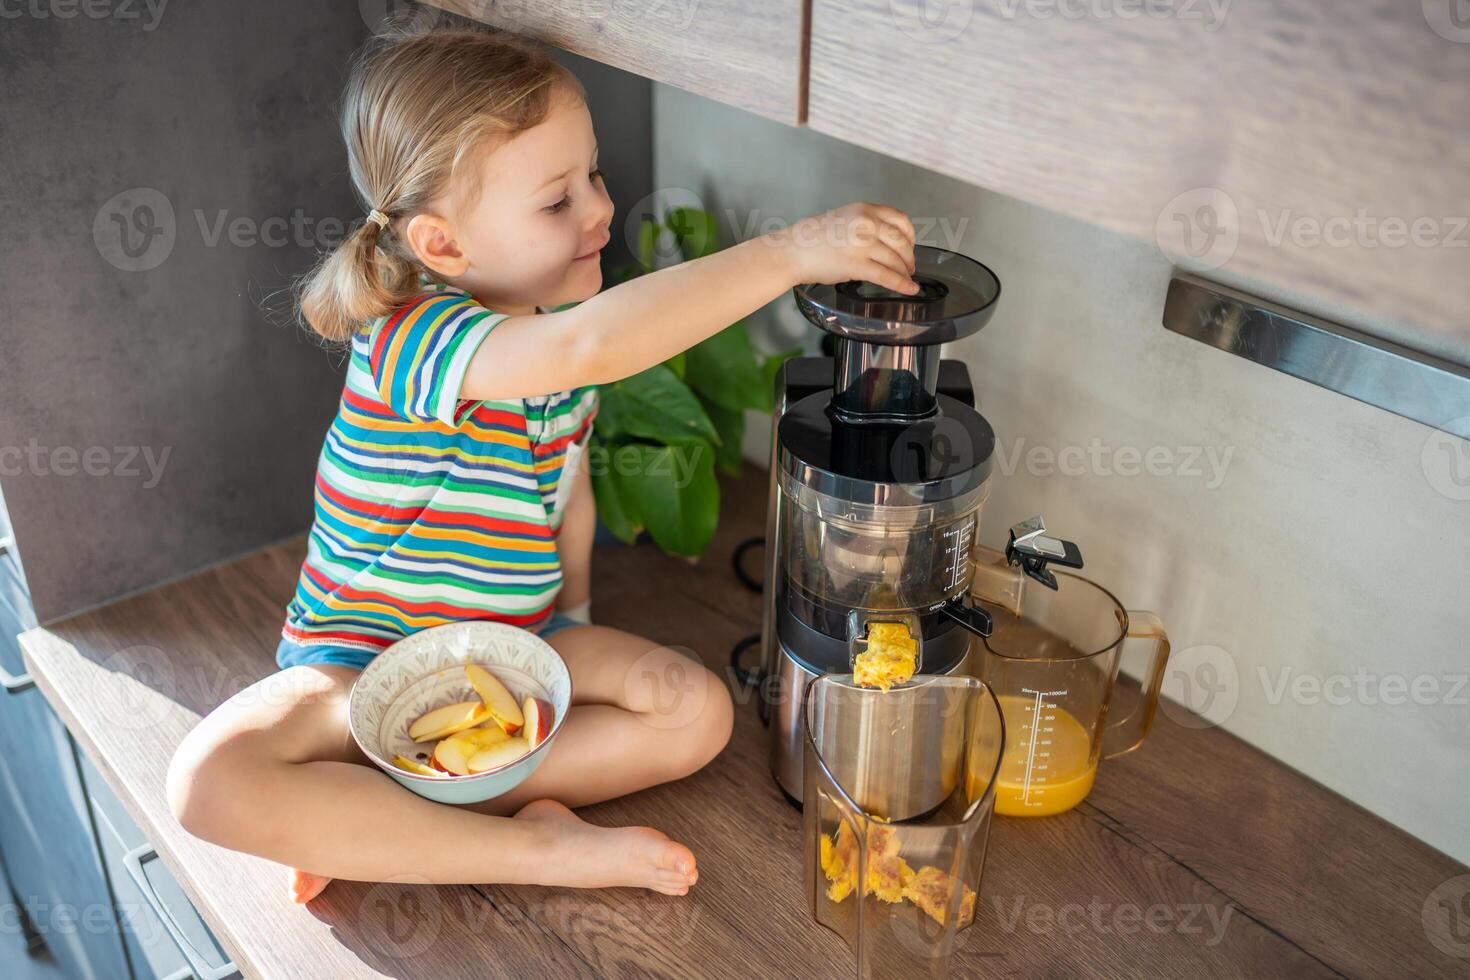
880,469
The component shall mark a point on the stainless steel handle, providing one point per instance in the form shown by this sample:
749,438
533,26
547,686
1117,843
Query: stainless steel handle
15,683
201,968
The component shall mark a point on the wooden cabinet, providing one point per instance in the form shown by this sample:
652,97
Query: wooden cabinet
750,55
1318,146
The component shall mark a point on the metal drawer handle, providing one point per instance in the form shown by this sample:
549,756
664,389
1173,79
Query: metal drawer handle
15,683
202,969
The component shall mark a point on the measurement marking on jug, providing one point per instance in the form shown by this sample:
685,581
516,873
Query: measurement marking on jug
1034,748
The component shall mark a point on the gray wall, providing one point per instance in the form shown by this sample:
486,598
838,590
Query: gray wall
159,408
1319,565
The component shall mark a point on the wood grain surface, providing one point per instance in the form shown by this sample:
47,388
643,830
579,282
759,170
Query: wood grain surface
1194,856
1289,143
750,55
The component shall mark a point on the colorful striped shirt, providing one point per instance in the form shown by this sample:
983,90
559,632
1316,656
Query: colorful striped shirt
430,508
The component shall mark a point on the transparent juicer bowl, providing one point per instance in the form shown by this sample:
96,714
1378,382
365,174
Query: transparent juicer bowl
903,555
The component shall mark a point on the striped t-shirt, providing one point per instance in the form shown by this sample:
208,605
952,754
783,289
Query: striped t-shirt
431,509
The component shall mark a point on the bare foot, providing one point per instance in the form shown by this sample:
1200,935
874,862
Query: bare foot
638,857
305,886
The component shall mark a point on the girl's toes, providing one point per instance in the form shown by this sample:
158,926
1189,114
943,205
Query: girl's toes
305,886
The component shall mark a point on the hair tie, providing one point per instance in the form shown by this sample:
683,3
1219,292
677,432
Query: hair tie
378,218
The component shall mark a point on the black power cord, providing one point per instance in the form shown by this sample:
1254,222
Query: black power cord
747,676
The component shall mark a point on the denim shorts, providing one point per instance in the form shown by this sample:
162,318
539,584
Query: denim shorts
293,654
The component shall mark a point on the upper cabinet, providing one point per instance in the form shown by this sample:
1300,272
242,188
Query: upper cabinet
1319,146
751,55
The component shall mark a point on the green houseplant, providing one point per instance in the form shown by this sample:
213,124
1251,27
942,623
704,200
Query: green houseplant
661,435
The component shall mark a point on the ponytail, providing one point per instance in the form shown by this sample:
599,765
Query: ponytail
359,281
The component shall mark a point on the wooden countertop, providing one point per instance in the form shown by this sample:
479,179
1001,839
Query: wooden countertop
1194,856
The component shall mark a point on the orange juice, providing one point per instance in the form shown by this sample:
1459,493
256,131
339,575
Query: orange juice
1046,768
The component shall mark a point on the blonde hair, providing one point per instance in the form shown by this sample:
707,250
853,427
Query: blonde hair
418,106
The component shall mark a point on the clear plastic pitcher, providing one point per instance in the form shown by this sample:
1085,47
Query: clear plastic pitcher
1052,659
898,793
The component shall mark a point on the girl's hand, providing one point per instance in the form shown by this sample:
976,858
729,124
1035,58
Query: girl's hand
857,241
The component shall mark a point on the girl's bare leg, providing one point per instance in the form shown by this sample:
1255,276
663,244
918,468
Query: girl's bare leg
282,747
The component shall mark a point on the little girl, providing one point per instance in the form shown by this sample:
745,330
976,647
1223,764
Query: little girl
444,491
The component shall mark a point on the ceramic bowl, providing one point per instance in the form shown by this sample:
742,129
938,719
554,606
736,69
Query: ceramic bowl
426,670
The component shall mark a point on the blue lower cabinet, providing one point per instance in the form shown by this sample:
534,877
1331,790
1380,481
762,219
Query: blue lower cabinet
47,842
164,934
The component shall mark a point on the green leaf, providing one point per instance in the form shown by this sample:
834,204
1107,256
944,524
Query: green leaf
730,423
648,233
611,508
694,230
622,273
678,495
723,370
653,405
676,364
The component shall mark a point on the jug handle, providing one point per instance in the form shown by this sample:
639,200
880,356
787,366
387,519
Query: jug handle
1127,733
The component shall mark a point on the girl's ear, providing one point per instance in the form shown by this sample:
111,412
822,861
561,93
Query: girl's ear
432,240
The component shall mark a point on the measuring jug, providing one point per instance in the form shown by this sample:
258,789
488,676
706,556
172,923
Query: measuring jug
898,790
1052,659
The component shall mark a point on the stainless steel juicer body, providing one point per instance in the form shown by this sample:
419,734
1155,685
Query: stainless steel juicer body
880,468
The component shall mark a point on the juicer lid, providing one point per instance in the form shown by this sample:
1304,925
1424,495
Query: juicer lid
956,297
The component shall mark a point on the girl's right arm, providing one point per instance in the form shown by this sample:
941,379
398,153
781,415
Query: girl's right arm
640,323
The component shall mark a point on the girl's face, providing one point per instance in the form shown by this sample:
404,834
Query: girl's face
534,234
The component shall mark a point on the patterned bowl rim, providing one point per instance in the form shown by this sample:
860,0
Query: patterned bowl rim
514,633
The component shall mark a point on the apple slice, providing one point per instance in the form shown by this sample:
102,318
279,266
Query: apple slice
498,700
499,754
447,720
455,751
417,768
538,717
